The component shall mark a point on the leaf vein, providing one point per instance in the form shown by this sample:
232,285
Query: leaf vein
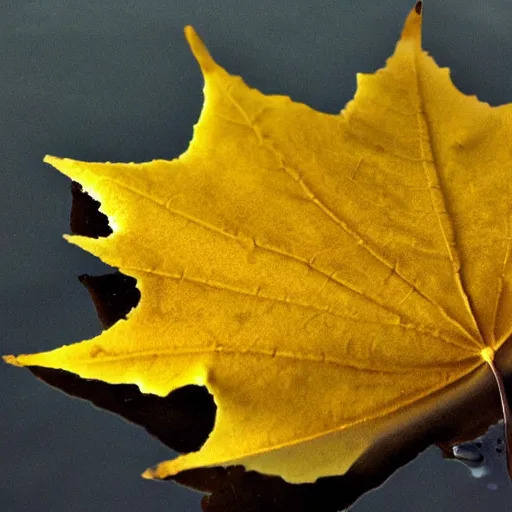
438,197
327,311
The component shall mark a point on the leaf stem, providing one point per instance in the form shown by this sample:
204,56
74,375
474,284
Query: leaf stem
488,356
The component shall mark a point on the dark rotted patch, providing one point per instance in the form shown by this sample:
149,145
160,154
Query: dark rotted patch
418,7
182,420
114,295
86,219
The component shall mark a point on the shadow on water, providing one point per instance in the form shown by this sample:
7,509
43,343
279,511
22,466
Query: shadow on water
183,419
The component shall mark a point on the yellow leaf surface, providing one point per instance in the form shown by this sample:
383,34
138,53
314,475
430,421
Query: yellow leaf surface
329,278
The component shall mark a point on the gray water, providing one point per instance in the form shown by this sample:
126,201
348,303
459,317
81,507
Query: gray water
114,80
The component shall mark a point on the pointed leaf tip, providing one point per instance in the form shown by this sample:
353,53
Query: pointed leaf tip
11,360
52,160
412,26
201,53
148,474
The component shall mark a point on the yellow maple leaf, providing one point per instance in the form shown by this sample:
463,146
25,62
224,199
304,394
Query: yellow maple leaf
328,278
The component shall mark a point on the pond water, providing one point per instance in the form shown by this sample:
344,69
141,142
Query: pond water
114,80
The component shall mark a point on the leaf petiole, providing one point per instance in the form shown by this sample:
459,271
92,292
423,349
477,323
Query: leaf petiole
488,356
